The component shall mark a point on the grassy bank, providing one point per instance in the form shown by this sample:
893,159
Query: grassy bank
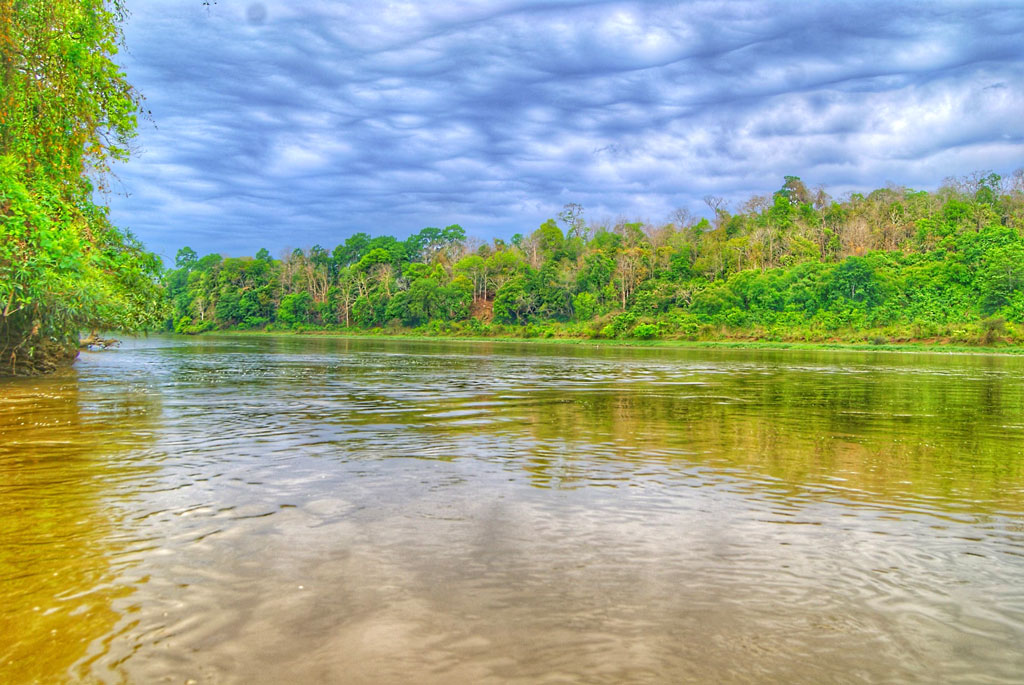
934,345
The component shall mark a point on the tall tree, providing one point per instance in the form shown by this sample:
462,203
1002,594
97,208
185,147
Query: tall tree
66,112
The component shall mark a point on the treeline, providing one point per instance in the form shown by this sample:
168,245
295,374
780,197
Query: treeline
894,264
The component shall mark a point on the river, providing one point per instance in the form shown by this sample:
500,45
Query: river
269,510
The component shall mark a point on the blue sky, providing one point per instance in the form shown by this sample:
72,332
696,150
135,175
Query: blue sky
285,124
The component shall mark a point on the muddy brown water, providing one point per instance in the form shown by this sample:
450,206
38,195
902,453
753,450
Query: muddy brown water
269,510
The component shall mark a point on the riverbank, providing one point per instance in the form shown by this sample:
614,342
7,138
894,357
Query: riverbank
920,346
25,351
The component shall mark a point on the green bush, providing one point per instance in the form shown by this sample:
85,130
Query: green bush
645,331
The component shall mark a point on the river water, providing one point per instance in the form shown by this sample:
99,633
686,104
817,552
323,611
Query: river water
269,510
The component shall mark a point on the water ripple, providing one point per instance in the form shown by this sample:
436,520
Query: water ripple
268,510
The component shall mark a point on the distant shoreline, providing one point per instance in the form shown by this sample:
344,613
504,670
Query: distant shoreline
921,346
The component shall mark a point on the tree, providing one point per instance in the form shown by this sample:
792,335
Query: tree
719,209
794,190
572,216
630,269
1002,275
66,111
515,301
854,280
295,309
430,241
185,258
502,267
351,251
549,238
596,272
776,267
475,268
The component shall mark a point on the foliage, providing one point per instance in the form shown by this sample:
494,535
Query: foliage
66,112
645,331
899,263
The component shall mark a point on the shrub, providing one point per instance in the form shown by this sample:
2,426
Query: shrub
620,324
645,331
295,309
994,327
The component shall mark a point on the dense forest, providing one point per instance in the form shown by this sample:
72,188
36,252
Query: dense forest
66,111
892,265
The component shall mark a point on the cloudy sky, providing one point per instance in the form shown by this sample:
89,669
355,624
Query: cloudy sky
290,123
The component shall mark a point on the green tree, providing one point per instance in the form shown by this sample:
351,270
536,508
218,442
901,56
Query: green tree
66,111
1001,276
515,301
854,280
295,309
474,267
794,264
186,258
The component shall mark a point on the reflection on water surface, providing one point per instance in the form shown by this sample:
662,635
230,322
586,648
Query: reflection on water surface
288,510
